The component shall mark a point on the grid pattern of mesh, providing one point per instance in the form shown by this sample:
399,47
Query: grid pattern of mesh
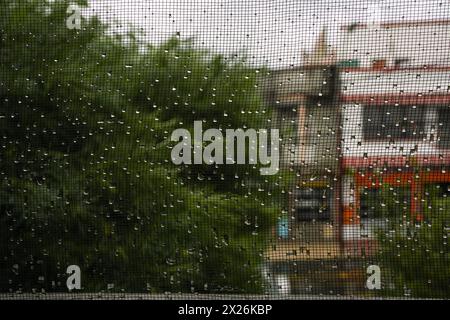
211,149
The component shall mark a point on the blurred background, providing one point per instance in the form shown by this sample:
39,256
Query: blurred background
91,91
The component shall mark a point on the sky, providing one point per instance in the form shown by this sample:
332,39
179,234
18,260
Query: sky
274,33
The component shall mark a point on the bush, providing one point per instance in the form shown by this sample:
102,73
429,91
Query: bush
417,255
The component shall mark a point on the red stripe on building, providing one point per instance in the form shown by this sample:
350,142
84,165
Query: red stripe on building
388,69
409,99
396,161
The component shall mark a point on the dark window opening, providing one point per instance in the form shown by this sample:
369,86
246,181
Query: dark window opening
382,203
382,209
312,204
438,190
393,122
401,62
444,128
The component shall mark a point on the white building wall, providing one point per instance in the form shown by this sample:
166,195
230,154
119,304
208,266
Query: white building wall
355,146
397,83
422,44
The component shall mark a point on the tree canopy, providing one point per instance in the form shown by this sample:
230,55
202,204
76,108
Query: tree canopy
85,170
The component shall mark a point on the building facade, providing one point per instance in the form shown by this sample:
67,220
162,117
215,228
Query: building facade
366,131
394,100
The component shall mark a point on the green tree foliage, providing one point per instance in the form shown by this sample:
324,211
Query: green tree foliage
417,256
85,170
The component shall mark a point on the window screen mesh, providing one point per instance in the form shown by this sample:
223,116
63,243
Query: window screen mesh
253,148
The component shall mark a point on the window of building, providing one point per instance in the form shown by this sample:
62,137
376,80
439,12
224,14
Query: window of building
312,204
383,208
393,122
376,203
444,127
